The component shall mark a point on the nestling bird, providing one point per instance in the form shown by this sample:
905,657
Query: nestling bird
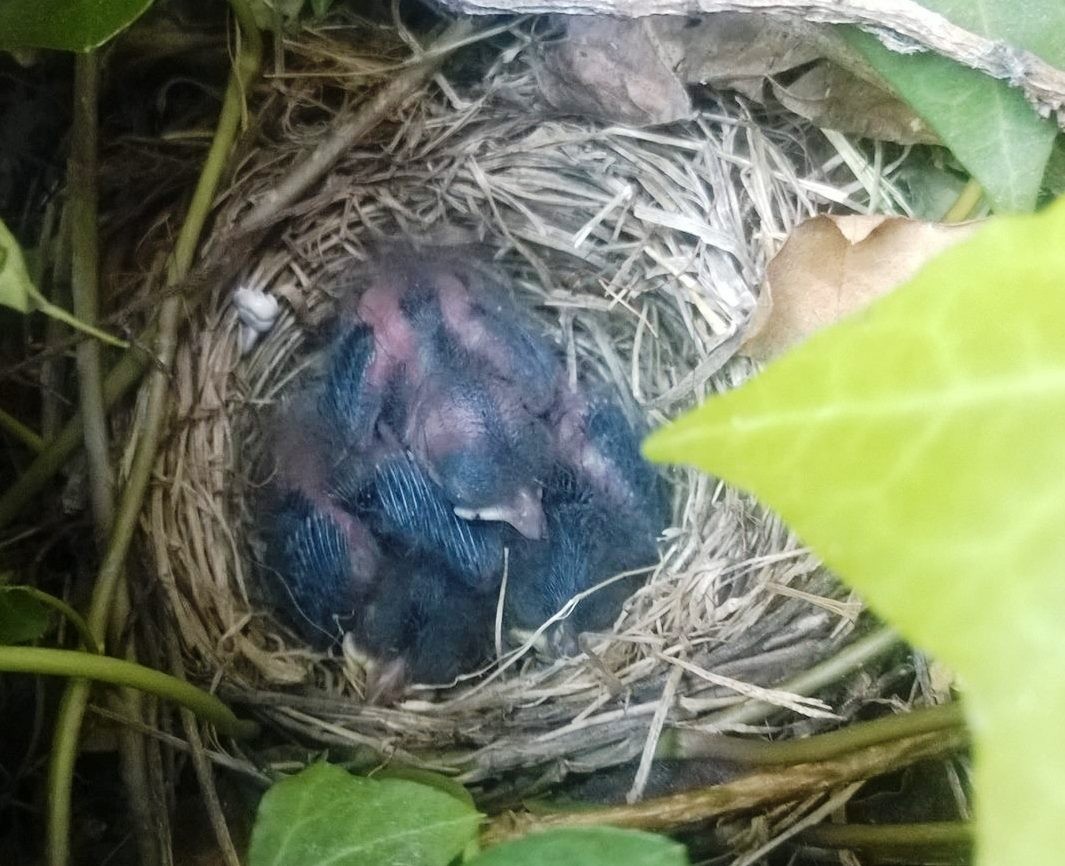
464,384
438,431
387,488
483,449
496,334
326,559
586,544
595,440
604,510
353,390
424,627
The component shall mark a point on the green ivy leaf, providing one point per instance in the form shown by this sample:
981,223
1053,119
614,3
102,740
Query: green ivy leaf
447,784
919,447
69,25
590,846
22,617
16,287
986,123
326,815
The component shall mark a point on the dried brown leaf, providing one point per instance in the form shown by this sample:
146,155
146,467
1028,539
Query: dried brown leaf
835,98
612,70
831,266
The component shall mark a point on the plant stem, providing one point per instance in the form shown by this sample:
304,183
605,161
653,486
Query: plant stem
84,283
123,376
965,204
888,839
822,747
21,432
75,698
851,657
85,290
56,312
66,610
753,791
86,666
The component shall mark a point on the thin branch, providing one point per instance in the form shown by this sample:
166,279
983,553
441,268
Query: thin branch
202,767
381,105
85,285
966,204
21,432
72,616
890,839
754,791
822,747
40,302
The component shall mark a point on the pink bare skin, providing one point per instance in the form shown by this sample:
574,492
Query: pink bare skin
300,448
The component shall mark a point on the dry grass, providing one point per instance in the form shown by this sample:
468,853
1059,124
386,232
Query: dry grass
642,252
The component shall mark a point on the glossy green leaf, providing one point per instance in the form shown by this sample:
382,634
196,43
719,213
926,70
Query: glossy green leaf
16,287
591,846
986,123
22,617
70,25
919,447
447,784
325,815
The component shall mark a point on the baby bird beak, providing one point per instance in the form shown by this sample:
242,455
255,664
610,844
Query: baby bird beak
524,512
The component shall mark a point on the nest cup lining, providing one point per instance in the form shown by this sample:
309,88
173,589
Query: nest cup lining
640,252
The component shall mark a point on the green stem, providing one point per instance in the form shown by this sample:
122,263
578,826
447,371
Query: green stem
965,204
85,282
119,672
21,432
851,657
72,616
888,839
123,376
822,747
756,790
49,309
75,698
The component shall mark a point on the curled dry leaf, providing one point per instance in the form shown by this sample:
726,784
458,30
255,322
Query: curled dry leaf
614,70
831,266
736,50
835,98
635,70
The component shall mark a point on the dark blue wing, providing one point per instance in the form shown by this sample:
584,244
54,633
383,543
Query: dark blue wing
309,553
349,402
401,502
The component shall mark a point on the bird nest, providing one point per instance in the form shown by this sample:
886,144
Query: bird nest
641,252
